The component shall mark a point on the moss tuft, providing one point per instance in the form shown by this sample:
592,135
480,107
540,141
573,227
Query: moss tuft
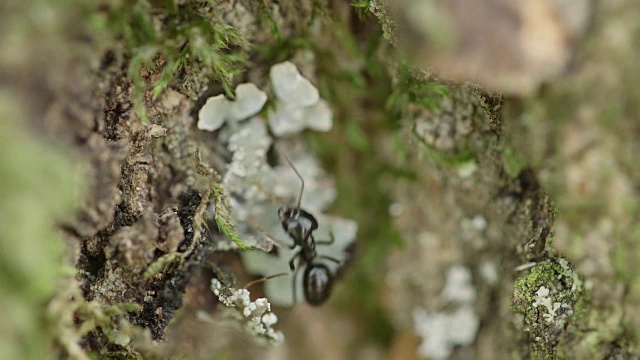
551,298
167,39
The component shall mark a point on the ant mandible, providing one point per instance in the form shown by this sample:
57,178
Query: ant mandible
299,225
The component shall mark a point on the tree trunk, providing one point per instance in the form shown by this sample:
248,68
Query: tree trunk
495,213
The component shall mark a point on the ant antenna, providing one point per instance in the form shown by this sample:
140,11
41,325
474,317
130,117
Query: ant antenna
299,176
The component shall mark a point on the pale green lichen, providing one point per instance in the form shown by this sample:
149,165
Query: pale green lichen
255,190
299,105
218,109
550,297
543,298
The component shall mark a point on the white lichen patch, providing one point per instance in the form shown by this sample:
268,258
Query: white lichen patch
299,106
467,169
255,189
255,315
249,144
569,272
479,222
472,231
458,287
291,87
489,272
218,109
544,299
442,331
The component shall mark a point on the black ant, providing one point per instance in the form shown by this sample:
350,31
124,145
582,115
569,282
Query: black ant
299,225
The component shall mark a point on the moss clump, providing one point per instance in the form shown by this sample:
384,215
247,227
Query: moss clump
513,162
223,217
379,9
166,38
551,298
415,88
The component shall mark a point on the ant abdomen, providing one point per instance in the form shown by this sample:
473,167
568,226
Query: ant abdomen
317,284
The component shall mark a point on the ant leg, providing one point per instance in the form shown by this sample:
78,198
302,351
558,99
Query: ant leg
291,262
269,235
329,258
293,286
251,283
331,240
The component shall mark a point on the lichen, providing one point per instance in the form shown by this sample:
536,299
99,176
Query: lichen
442,331
542,298
248,174
299,106
548,297
256,316
218,109
251,190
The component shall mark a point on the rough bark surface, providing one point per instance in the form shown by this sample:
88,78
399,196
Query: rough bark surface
516,217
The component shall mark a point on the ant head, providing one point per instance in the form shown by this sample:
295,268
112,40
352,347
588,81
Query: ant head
285,213
317,283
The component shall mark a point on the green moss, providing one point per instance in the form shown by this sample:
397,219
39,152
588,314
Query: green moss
387,23
513,162
223,217
581,307
165,38
555,274
266,18
448,160
564,306
413,87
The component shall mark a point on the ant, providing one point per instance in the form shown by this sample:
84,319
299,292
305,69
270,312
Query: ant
299,225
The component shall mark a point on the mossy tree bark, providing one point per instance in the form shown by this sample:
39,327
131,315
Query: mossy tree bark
466,192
